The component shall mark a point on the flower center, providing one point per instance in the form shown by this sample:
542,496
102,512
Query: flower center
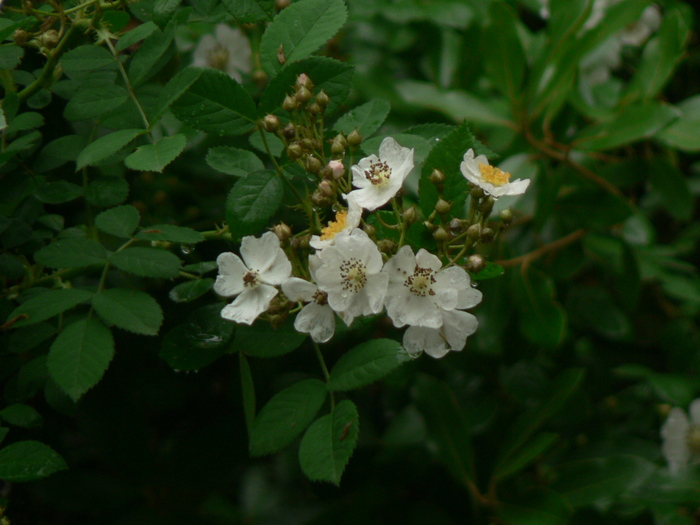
353,273
378,173
693,438
420,283
494,175
320,297
335,227
217,57
251,280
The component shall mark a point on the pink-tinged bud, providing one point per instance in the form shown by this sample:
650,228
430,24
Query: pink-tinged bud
337,169
281,57
327,188
475,263
282,231
303,80
271,123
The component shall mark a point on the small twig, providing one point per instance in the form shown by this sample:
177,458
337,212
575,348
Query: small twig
543,250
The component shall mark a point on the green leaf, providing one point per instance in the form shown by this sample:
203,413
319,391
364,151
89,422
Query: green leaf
676,389
21,415
91,103
529,421
130,310
155,157
135,35
217,104
535,507
25,121
170,233
10,56
300,29
147,262
447,426
673,188
457,104
684,133
78,62
30,337
48,304
332,76
250,11
71,253
525,455
233,161
175,88
106,146
593,308
107,191
59,192
151,56
286,416
592,208
366,363
542,319
120,221
163,11
446,156
190,290
366,118
253,201
198,342
28,461
329,443
80,355
634,123
662,54
490,271
259,340
503,53
598,481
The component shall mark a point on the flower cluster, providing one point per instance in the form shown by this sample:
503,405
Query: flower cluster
351,275
681,437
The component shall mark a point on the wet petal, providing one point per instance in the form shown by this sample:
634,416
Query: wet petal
299,290
249,304
229,282
317,320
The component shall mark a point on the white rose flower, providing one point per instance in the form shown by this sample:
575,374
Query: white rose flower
419,291
345,221
229,52
266,266
350,273
437,342
317,317
492,180
681,437
380,178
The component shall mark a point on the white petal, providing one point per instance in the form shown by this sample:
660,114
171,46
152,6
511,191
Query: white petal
201,53
370,197
229,282
469,297
457,326
694,411
675,444
279,271
317,244
314,263
298,289
418,339
260,253
250,304
425,259
375,289
359,179
317,320
516,187
446,292
400,265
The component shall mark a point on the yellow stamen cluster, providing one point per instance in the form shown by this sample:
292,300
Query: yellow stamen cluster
217,58
335,227
494,175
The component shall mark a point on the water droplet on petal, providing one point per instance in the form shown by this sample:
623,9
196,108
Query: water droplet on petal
186,249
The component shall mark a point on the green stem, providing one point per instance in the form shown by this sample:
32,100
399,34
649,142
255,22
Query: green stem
125,77
326,374
48,68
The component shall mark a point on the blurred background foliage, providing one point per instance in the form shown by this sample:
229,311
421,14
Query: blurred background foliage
584,344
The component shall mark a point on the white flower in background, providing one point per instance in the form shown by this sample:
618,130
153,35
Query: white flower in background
419,291
437,342
253,281
229,51
345,221
350,273
380,178
681,437
317,317
492,180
